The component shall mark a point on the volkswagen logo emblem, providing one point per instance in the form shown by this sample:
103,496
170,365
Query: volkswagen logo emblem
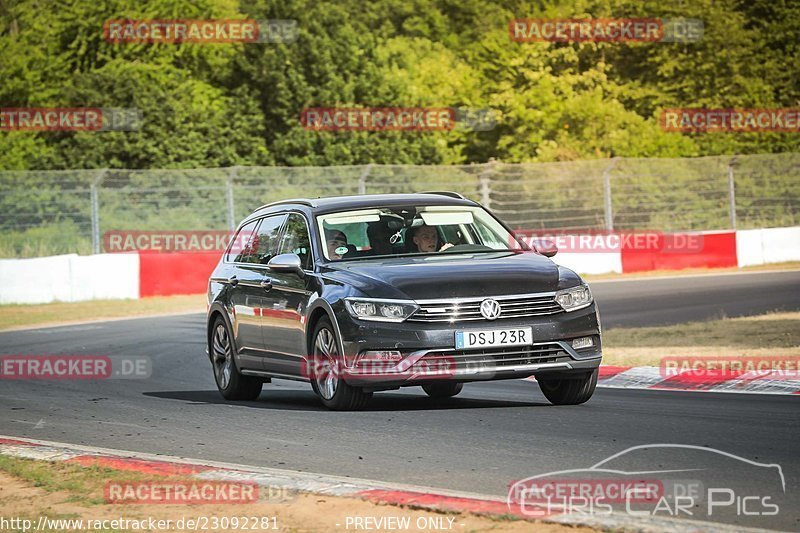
490,309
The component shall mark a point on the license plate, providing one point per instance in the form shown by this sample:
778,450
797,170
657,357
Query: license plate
494,337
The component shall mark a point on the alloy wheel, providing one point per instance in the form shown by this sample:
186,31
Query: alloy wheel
326,362
223,358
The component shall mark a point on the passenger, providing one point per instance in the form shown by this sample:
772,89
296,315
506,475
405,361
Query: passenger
379,236
334,240
426,238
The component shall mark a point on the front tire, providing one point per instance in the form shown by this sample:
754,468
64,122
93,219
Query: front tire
326,375
442,390
230,383
569,391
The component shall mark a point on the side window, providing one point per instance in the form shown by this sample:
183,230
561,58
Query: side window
267,239
243,246
295,240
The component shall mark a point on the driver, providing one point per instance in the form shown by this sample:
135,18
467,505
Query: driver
335,239
426,238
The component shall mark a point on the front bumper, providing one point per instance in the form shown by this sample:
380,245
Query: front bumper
429,353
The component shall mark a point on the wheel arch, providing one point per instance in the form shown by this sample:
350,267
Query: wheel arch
321,308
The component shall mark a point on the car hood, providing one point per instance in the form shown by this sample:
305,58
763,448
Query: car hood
450,276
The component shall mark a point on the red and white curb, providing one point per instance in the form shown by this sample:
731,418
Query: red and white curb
652,377
413,496
161,465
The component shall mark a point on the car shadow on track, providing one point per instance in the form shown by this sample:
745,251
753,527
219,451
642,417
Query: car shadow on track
297,400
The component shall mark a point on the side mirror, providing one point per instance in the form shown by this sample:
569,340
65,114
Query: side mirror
286,263
545,247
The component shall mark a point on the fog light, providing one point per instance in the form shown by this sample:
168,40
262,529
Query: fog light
380,355
582,342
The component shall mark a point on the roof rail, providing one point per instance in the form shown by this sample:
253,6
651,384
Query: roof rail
451,194
304,201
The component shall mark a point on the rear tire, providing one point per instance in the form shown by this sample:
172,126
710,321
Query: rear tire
326,375
569,391
442,390
230,383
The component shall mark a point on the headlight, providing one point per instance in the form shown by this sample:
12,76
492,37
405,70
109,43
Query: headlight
574,298
380,310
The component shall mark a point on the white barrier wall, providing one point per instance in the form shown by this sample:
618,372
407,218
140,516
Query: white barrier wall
73,278
104,277
585,260
590,263
34,281
764,246
69,278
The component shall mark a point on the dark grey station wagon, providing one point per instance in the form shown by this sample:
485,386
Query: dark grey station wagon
361,294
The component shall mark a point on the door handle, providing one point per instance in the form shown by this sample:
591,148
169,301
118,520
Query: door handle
266,284
233,281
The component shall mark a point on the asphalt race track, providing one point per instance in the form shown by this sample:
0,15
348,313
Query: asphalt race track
655,302
490,435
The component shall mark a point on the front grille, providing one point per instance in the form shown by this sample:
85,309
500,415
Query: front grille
469,309
496,357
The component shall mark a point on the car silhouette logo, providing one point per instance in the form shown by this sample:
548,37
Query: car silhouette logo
490,309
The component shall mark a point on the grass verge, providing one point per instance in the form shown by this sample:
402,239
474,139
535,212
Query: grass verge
17,316
772,334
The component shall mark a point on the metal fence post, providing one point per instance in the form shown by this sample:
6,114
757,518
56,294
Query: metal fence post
96,210
362,179
607,203
486,184
732,193
231,215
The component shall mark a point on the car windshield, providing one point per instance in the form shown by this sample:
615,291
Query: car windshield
412,230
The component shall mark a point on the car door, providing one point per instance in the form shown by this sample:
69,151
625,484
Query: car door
244,299
286,302
249,283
